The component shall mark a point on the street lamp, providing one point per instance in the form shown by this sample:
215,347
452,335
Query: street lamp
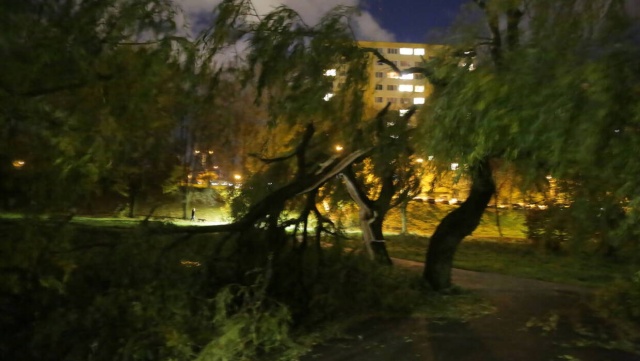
339,148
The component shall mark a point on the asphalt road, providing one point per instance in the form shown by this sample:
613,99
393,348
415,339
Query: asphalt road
515,332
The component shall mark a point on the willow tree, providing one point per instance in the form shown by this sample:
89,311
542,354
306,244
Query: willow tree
553,90
289,65
58,89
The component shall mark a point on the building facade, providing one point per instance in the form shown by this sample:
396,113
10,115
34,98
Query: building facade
387,86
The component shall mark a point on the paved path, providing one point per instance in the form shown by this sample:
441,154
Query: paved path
500,336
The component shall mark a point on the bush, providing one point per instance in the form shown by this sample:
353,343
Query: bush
549,229
81,293
621,300
251,325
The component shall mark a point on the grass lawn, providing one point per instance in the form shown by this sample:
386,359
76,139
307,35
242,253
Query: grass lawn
517,258
503,249
491,248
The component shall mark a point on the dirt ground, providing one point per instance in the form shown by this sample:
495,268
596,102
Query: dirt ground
534,321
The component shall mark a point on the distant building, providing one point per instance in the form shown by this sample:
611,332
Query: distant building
401,90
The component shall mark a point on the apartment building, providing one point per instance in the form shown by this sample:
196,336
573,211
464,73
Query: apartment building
401,90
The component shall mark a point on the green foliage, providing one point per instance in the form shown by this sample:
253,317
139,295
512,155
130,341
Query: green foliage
252,325
549,229
108,293
101,295
77,90
562,103
621,300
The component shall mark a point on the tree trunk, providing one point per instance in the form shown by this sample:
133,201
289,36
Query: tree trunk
371,220
378,244
403,217
457,225
133,197
186,201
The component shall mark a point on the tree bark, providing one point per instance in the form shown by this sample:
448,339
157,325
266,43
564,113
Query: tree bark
457,225
134,190
403,217
378,244
371,220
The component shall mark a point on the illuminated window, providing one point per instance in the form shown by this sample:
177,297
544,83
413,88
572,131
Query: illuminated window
378,99
419,89
405,88
392,75
379,74
406,51
406,77
328,96
331,72
418,51
378,86
403,111
454,166
392,51
418,100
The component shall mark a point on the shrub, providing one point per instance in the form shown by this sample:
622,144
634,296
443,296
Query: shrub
81,293
251,325
621,300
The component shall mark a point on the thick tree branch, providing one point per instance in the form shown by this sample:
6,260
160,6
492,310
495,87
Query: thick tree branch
276,199
298,152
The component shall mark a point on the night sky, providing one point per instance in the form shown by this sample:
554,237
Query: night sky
411,20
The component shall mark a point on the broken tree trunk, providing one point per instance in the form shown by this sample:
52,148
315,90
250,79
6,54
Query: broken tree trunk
370,221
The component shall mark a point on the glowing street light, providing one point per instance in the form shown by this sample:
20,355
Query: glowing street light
339,148
237,177
419,160
18,163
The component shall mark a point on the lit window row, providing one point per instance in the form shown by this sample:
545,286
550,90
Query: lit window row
402,63
402,100
402,88
394,75
411,51
405,51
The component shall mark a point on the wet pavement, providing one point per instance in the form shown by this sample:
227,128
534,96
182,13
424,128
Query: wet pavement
534,321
